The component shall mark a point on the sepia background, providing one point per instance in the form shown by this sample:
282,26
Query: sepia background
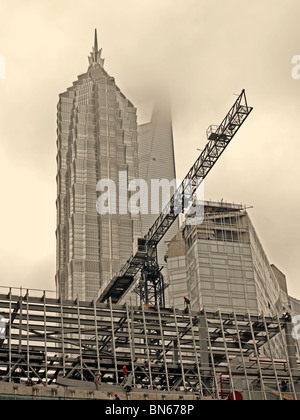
204,52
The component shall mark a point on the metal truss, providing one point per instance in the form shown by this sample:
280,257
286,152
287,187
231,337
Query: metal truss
218,139
48,341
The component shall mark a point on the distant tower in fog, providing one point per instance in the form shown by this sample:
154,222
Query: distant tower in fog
157,161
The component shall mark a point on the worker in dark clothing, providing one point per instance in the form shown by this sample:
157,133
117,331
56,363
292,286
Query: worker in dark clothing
117,397
284,386
187,303
287,316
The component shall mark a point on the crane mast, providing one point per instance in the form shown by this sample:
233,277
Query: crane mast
144,260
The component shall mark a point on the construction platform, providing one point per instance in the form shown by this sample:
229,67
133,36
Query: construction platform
56,348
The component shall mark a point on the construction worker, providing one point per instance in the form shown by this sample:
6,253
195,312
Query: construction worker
187,302
125,371
287,316
99,377
117,397
284,386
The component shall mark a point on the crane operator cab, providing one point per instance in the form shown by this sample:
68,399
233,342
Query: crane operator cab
140,248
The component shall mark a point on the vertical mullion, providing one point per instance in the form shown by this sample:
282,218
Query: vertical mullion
96,338
147,347
62,336
242,355
257,357
272,357
133,337
179,349
20,321
45,338
9,338
195,350
212,356
79,338
227,354
113,340
131,343
163,347
27,330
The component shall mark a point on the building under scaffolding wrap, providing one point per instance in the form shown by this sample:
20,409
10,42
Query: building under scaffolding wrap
167,352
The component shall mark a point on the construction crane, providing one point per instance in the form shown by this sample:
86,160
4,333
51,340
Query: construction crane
151,286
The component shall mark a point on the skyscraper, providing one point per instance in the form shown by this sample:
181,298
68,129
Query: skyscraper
96,139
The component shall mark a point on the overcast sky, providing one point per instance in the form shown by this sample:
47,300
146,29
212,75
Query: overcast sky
204,52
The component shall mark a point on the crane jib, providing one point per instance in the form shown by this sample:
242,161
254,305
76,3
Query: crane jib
218,141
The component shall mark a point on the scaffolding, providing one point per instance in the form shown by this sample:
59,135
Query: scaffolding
51,341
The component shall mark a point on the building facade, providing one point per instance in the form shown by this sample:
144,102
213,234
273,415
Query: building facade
221,265
96,139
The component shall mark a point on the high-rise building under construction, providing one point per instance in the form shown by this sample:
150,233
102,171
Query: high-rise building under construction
222,265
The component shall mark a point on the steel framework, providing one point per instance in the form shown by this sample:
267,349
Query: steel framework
48,340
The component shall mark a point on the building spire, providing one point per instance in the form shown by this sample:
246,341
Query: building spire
95,45
95,56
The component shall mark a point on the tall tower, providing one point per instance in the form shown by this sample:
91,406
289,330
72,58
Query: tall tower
96,139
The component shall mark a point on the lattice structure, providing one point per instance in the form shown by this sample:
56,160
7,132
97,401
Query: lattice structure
212,354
